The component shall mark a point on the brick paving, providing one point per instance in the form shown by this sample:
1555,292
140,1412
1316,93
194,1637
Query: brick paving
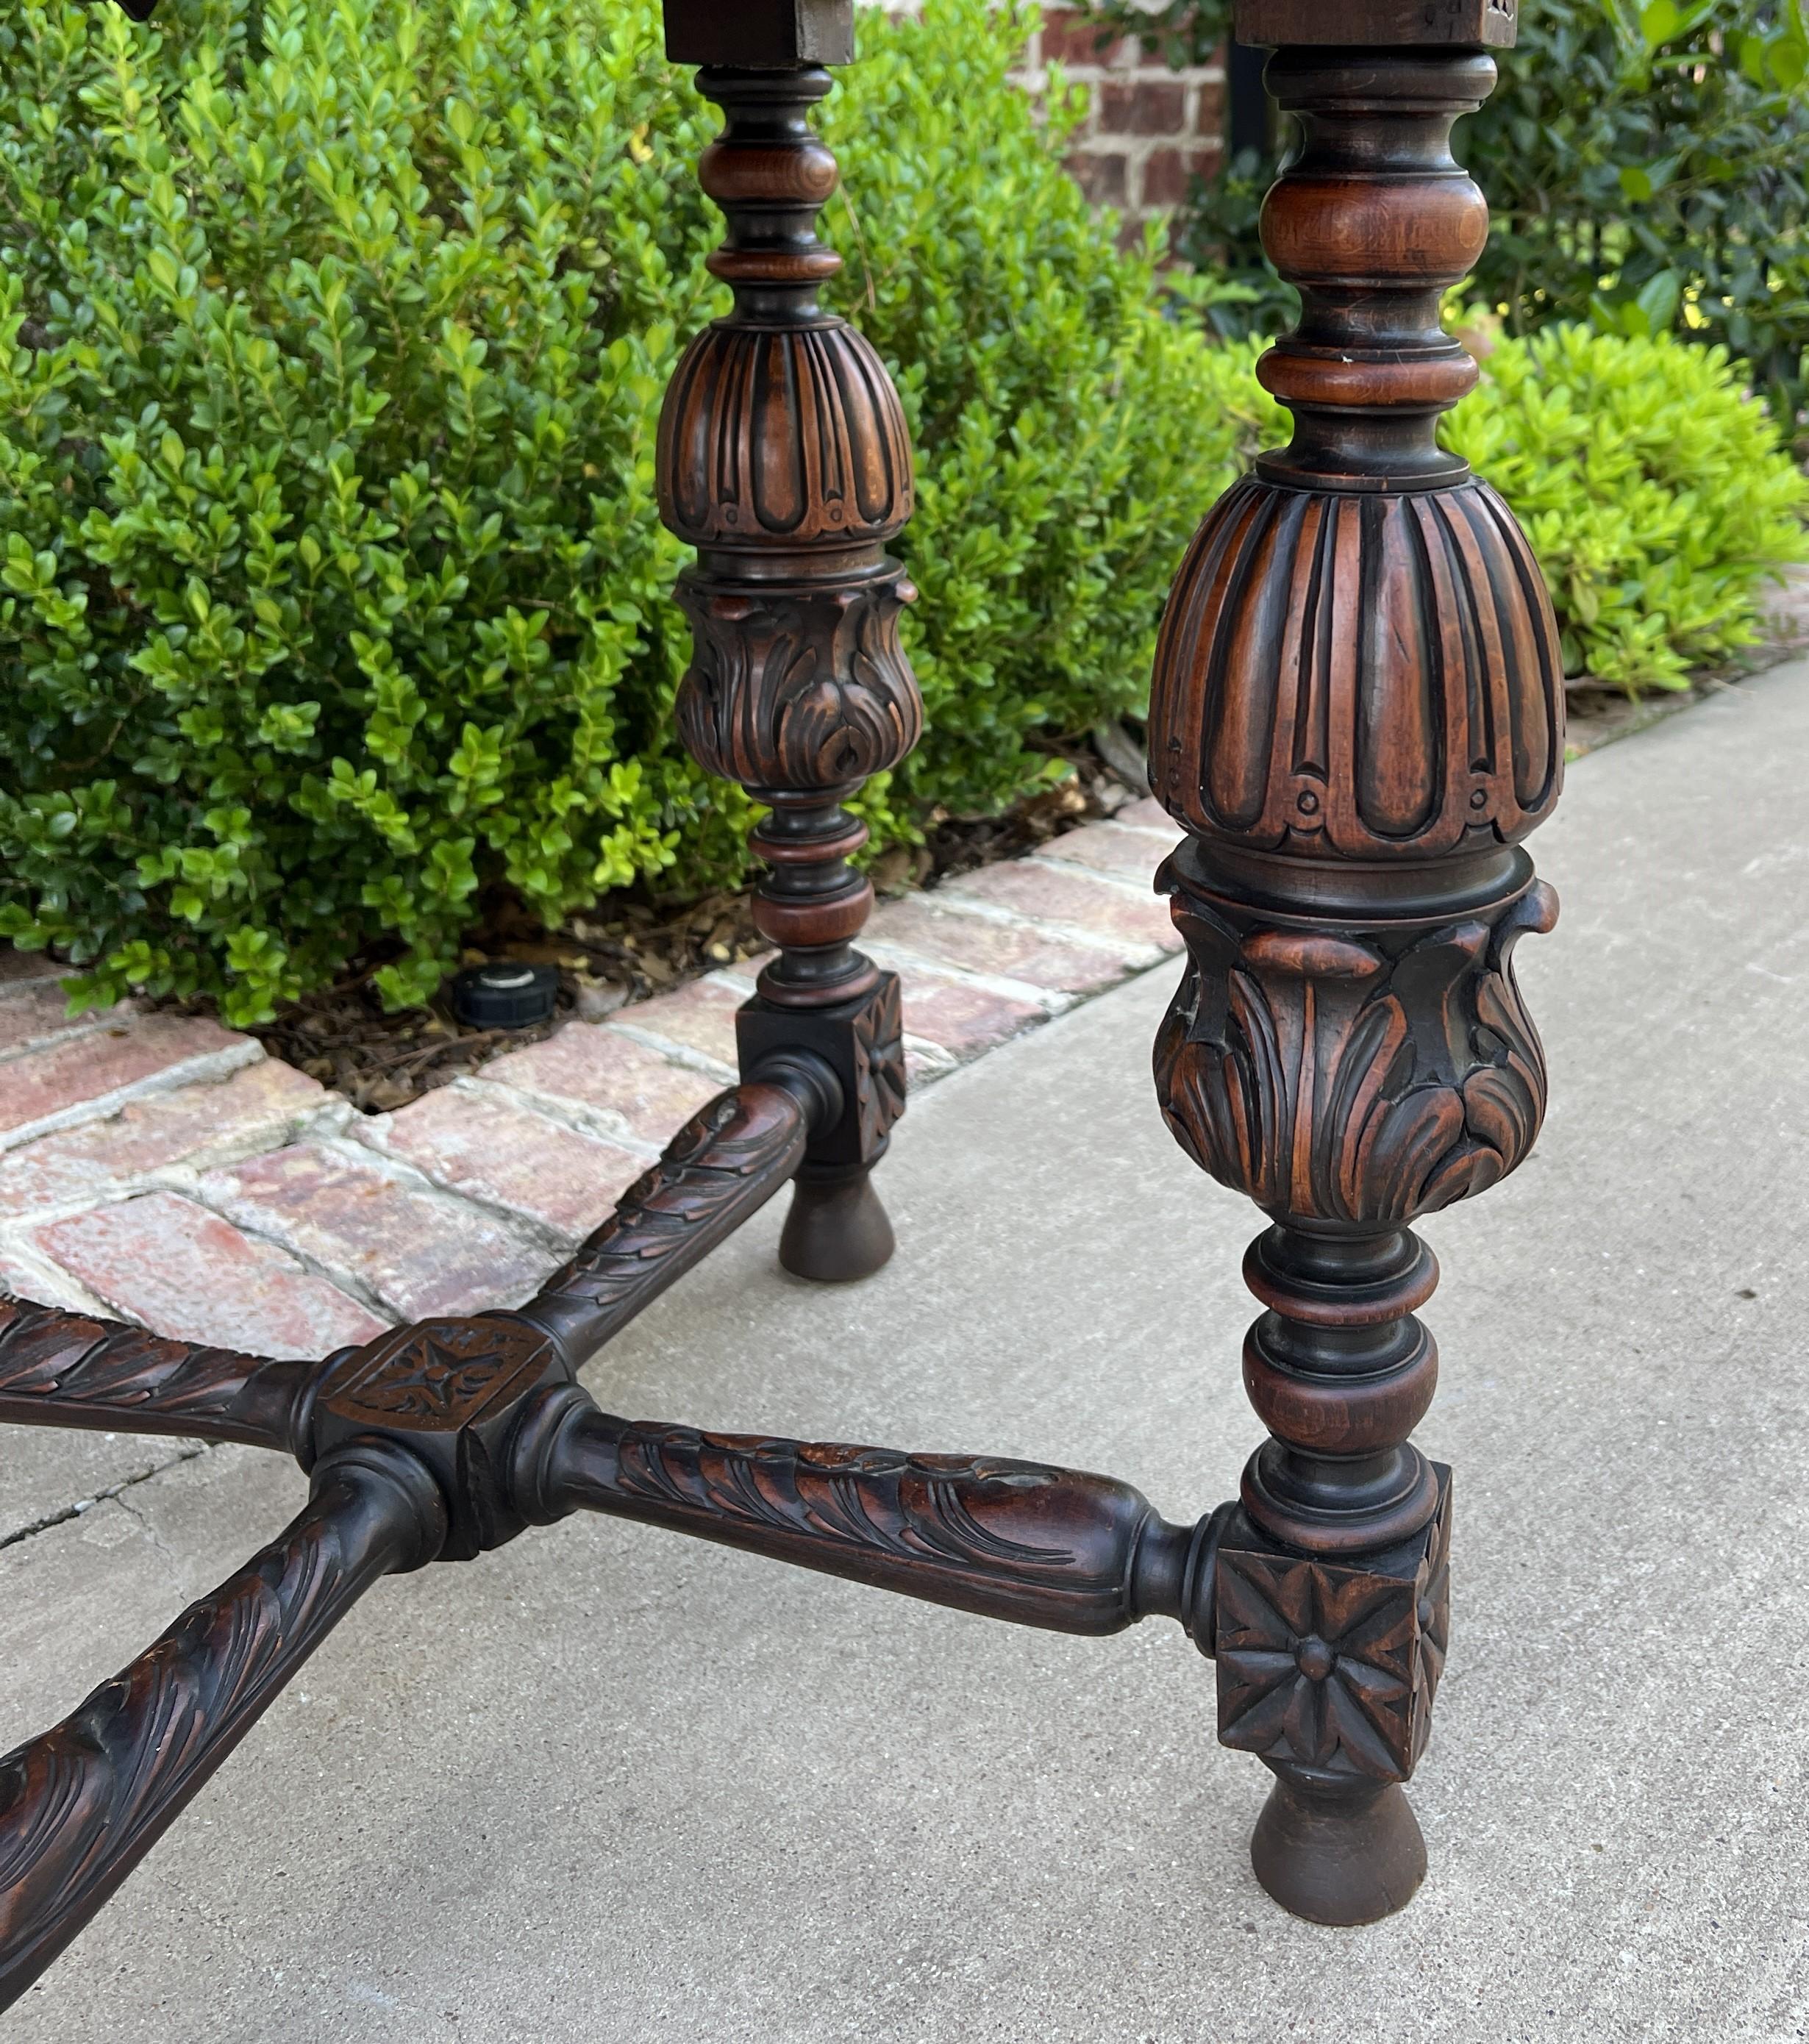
164,1170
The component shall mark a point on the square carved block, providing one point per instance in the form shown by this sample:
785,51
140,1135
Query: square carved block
761,35
1378,23
1329,1667
861,1041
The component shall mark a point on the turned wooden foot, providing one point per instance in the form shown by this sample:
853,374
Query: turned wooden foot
1337,1851
785,459
1357,716
837,1230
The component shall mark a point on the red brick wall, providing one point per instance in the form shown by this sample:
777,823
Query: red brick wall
1149,129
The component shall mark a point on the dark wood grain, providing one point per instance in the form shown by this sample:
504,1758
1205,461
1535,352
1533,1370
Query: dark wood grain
81,1805
1371,24
1357,716
760,32
722,1166
1013,1540
66,1369
785,459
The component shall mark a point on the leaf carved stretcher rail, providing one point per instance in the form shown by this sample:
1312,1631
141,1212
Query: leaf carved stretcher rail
1356,717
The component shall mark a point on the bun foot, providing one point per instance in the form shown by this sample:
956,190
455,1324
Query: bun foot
836,1231
1336,1850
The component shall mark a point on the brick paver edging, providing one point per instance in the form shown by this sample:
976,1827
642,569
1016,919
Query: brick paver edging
165,1170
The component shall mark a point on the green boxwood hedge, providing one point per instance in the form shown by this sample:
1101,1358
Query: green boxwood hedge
332,340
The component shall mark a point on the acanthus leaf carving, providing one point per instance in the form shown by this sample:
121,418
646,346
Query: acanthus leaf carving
1367,1077
84,1372
799,688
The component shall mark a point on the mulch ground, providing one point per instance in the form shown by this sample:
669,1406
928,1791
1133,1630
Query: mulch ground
628,947
631,946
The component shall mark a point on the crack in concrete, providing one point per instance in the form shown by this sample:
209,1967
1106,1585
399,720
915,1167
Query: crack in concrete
171,1561
113,1494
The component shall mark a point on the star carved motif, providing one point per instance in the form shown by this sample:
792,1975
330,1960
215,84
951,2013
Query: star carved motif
438,1376
879,1063
1324,1666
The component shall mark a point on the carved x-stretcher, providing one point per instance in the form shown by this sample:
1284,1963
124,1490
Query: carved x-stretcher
1356,716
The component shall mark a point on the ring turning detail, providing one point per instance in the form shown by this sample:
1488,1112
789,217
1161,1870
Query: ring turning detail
1357,715
1356,718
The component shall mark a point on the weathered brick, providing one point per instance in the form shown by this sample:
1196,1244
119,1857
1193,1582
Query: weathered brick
482,1143
78,1078
1141,107
185,1272
700,1017
419,1252
1070,39
1133,855
1168,174
1009,950
1104,177
1209,111
36,1011
254,1108
958,1018
1053,893
19,968
632,1090
1148,814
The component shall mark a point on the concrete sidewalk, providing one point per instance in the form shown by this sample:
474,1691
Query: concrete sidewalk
611,1785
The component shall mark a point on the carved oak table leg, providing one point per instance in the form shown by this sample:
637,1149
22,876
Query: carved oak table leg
81,1805
784,461
1356,717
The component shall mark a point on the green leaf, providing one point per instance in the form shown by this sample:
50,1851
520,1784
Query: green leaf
1659,299
1659,21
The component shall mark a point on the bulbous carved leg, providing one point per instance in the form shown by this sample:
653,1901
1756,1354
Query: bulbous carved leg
785,459
1357,714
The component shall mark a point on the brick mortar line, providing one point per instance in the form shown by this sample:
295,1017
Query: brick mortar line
547,1237
74,1031
575,1116
1118,882
60,1288
1139,956
208,1066
687,1056
352,1152
901,958
330,1119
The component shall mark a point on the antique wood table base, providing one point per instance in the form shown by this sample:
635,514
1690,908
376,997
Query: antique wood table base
1356,718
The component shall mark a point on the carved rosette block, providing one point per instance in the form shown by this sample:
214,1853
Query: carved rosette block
1332,1667
785,461
1357,716
455,1391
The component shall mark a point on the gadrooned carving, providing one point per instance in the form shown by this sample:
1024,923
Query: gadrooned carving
1358,674
799,688
1368,1075
787,435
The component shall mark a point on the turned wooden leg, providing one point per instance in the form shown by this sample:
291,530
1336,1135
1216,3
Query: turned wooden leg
785,461
1357,716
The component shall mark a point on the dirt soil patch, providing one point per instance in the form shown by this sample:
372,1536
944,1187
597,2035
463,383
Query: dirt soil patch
628,947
